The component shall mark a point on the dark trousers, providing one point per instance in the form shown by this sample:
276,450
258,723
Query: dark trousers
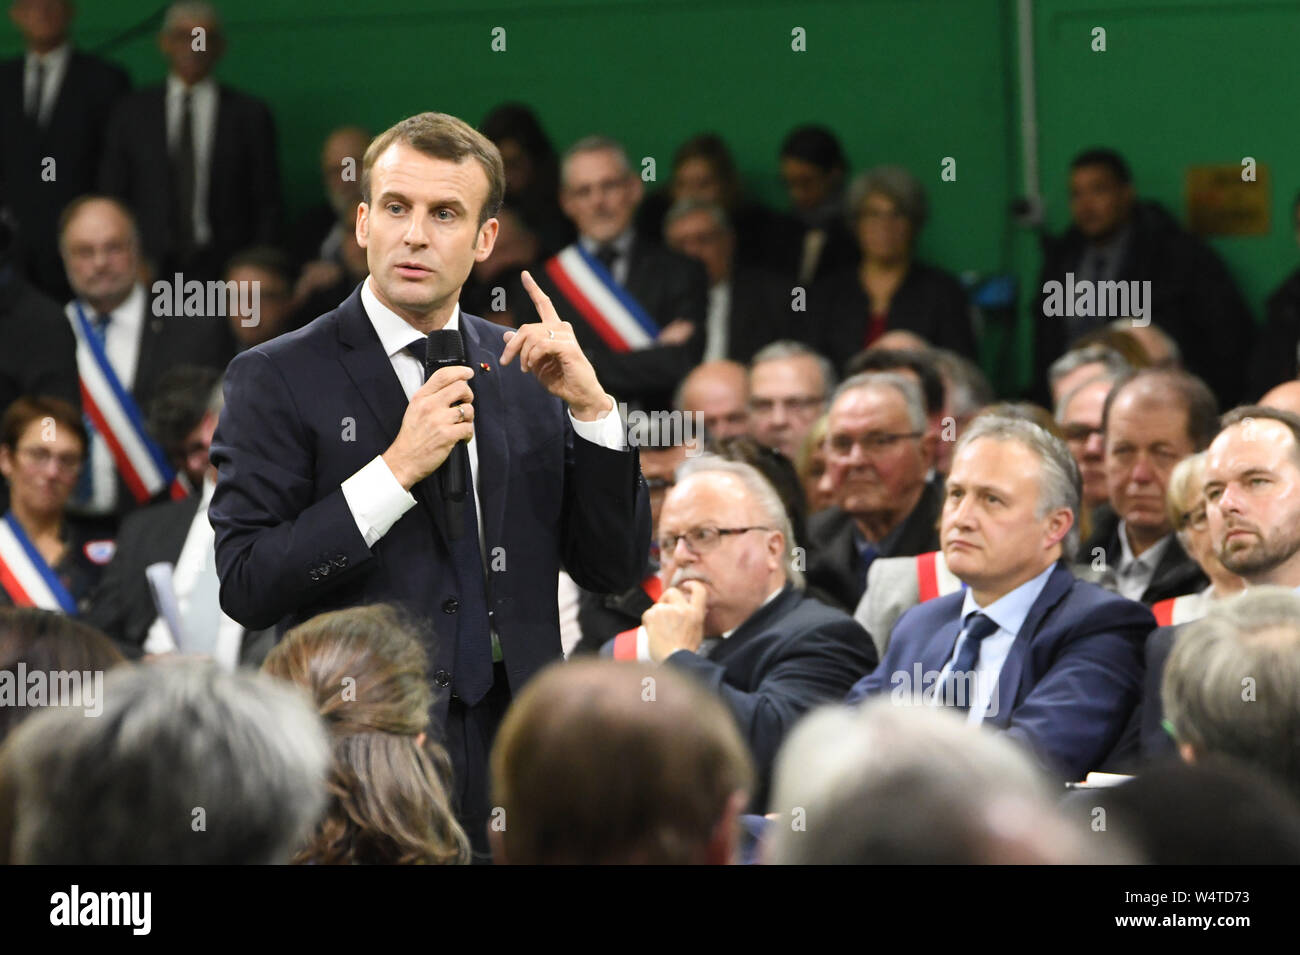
468,737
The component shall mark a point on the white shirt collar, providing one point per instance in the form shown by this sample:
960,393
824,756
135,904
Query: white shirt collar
54,60
176,86
395,332
129,314
622,242
1148,559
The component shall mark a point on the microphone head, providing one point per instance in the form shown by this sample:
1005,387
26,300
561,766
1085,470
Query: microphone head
446,347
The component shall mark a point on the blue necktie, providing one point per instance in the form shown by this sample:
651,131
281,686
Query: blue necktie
978,626
472,674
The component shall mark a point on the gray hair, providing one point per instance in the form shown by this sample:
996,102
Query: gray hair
1111,378
176,743
595,144
684,207
907,387
786,348
1175,353
1114,363
967,387
762,491
1059,483
898,186
887,782
1232,683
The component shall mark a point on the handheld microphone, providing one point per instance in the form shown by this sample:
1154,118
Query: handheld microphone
447,347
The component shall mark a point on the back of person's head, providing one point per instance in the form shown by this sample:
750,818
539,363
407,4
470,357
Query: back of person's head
1216,812
1231,685
186,764
368,674
919,363
182,396
52,645
887,783
606,762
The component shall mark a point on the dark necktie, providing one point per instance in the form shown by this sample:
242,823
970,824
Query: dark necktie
37,93
472,674
99,325
977,628
183,179
607,255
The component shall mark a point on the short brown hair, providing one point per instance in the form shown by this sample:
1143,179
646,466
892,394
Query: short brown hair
19,416
1244,413
442,137
647,762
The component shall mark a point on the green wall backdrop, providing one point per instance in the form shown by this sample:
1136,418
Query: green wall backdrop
909,82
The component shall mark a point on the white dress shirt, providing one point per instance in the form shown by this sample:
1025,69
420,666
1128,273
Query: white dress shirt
374,496
715,342
122,346
55,64
203,106
1134,573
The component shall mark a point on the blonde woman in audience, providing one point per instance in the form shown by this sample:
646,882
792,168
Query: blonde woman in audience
811,465
388,804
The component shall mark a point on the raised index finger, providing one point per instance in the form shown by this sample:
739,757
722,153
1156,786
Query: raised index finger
541,301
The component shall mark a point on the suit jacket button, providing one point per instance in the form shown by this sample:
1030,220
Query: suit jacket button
450,605
341,560
441,677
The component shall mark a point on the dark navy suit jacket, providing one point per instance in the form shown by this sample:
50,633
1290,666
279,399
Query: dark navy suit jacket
1072,677
308,409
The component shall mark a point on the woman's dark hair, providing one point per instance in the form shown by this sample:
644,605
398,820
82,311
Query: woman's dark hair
368,675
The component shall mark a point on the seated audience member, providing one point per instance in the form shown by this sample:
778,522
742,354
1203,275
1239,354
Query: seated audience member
495,289
259,317
1285,397
810,464
915,365
1054,662
733,612
46,642
1216,812
908,785
1160,350
119,338
180,419
889,288
1252,509
532,171
1150,422
878,457
704,171
965,392
718,391
388,800
49,559
747,307
1231,686
788,387
637,308
896,339
1079,416
1277,351
1084,364
1185,502
817,242
320,234
1114,237
176,533
180,748
588,773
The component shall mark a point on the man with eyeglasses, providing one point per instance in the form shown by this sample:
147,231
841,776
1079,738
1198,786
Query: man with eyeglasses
733,611
1079,415
878,456
788,385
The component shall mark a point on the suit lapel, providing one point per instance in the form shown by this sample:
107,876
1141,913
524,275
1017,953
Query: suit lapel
365,362
489,428
1057,586
779,606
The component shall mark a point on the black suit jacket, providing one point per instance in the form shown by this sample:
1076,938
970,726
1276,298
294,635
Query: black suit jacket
789,656
288,547
1176,573
834,564
244,184
1275,359
73,137
668,286
930,302
759,313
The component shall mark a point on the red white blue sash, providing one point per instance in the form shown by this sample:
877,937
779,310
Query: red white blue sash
116,417
26,577
613,314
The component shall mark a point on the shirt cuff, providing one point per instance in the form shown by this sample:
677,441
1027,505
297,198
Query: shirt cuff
643,645
606,431
376,499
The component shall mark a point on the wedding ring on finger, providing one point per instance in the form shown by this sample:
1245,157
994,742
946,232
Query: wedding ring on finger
460,414
550,334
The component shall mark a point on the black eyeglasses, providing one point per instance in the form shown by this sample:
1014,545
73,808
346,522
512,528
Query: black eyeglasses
701,540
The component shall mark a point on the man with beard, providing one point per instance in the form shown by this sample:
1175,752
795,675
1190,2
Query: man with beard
1252,496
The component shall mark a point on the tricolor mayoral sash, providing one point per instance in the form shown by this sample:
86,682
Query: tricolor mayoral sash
24,574
114,414
620,321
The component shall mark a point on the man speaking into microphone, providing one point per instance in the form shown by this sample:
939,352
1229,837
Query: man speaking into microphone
336,455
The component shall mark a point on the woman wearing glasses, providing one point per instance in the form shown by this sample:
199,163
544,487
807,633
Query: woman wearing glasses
47,559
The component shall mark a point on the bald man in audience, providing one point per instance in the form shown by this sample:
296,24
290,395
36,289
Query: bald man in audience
719,392
1284,397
